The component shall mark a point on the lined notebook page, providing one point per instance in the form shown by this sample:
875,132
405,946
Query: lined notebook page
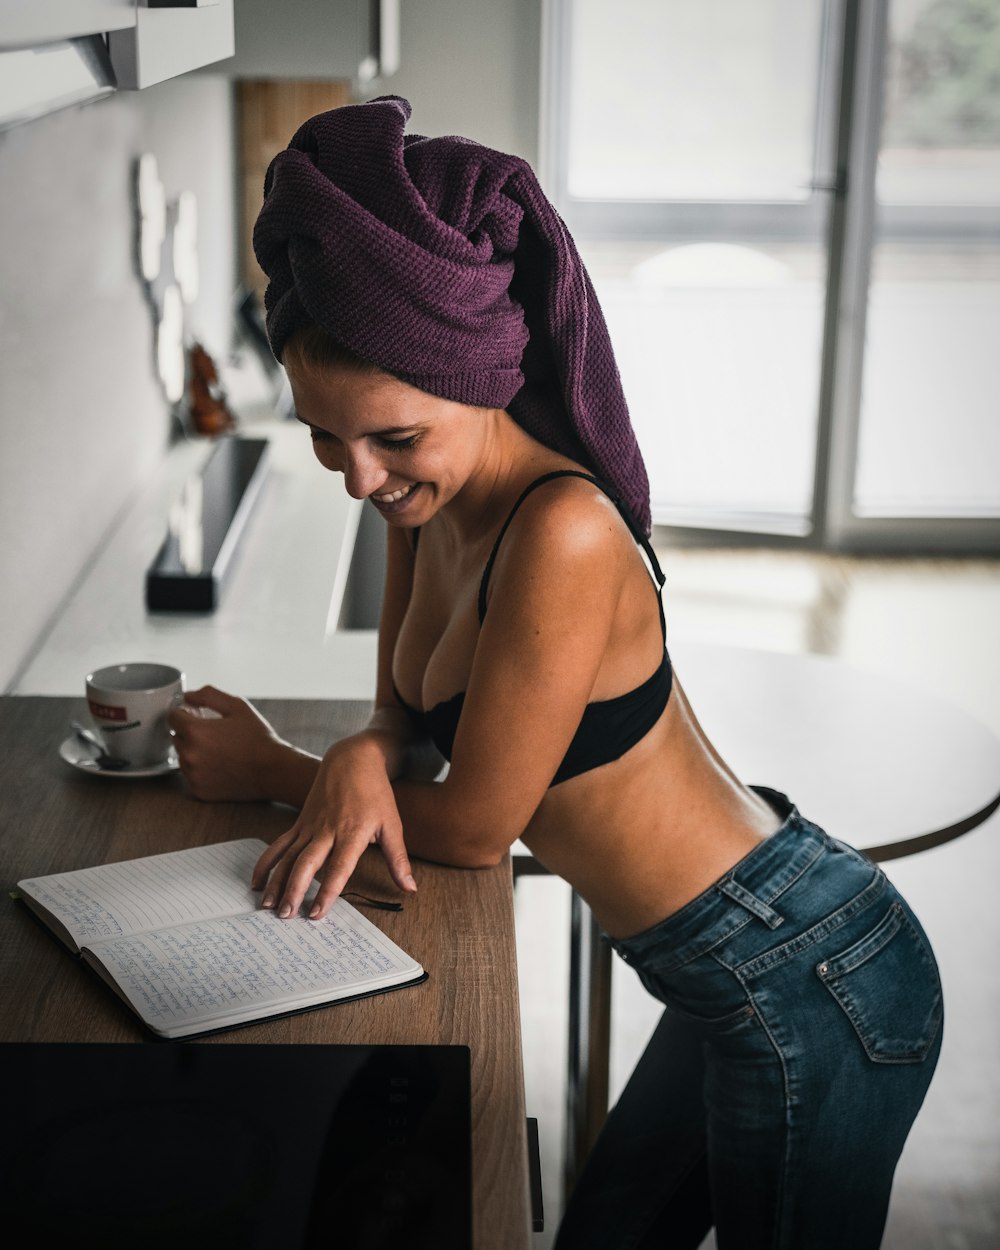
216,971
143,894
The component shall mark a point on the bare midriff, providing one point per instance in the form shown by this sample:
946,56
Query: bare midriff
641,837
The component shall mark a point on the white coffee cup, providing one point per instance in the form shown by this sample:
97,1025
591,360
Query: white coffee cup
128,705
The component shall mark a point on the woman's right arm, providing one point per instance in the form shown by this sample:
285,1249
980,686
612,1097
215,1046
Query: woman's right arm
235,754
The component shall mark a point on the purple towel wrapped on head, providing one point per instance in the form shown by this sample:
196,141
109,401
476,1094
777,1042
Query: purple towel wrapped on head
442,262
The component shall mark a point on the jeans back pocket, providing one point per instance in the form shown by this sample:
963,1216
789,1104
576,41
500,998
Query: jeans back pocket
888,985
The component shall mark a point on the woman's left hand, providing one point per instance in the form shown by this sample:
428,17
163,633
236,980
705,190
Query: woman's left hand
349,807
228,751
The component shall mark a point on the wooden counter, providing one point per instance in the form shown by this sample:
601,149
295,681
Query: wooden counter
459,926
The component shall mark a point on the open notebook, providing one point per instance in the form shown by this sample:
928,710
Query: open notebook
182,939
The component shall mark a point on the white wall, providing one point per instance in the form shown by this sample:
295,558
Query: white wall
471,67
82,419
468,67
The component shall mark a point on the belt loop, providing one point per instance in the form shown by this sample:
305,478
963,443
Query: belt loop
733,889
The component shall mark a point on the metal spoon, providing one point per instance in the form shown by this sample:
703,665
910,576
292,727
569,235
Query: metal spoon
103,760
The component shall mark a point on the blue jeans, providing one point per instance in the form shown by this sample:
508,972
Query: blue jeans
802,1026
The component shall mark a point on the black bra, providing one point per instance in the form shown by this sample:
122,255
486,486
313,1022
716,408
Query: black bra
609,727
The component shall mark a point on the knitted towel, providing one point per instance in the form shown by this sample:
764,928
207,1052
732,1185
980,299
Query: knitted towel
443,262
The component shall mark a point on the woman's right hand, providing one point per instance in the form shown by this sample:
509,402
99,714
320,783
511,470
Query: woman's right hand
227,750
350,806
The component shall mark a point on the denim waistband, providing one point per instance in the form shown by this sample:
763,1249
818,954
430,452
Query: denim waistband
748,888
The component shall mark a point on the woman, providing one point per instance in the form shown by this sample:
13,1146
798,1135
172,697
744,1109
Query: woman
446,352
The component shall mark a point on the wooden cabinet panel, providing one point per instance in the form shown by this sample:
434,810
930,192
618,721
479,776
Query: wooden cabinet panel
269,113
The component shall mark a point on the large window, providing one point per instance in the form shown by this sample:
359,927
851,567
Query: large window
930,403
705,100
754,219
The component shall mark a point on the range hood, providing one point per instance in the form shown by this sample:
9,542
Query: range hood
39,80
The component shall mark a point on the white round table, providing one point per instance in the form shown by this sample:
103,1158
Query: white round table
876,762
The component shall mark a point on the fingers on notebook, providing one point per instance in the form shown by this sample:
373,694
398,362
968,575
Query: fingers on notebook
264,865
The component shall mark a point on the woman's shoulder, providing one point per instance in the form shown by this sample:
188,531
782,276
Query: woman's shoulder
565,522
567,505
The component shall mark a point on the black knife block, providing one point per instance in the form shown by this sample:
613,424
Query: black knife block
205,528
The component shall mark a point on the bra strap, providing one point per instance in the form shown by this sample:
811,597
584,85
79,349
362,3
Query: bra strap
637,534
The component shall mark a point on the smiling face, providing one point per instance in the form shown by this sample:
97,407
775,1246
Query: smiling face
407,452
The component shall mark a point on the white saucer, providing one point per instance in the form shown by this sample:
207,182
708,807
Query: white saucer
81,756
